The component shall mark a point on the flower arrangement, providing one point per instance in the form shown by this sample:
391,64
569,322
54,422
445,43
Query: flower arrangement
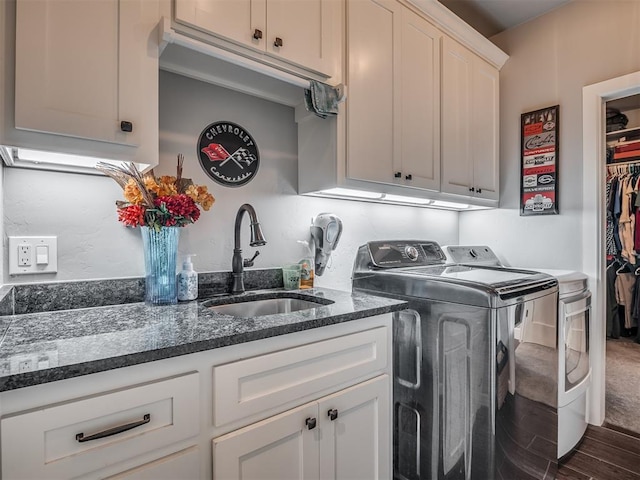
157,202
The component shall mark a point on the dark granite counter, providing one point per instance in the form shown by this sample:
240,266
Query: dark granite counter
63,344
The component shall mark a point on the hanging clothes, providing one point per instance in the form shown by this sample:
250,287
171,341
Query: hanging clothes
611,247
613,320
626,221
625,283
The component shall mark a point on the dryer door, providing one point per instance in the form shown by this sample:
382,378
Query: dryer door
574,332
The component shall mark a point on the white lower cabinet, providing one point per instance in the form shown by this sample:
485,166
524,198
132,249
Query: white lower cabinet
74,438
184,465
345,435
308,405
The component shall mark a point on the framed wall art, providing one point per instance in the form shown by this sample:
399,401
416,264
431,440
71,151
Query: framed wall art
539,162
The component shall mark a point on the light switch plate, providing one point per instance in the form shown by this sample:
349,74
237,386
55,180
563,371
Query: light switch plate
22,255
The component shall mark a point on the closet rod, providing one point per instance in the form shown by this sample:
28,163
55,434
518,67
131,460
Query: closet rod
630,162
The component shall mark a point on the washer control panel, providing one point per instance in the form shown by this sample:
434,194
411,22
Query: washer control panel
476,254
405,253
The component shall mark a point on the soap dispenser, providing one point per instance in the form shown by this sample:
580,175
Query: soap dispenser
187,281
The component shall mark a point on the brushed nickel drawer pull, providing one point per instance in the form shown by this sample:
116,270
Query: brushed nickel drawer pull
114,431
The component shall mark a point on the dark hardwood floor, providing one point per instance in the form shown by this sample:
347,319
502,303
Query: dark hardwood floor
604,454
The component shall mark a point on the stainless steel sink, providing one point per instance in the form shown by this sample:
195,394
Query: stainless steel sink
257,307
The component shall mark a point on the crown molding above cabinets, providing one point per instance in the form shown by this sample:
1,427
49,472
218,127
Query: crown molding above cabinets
454,27
85,80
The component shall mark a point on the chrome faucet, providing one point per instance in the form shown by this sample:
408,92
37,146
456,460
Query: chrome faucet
257,240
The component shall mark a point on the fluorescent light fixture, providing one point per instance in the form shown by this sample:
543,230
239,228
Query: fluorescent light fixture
347,192
402,199
391,199
459,206
42,160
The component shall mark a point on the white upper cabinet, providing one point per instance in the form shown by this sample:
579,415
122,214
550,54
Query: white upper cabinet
470,99
87,70
373,36
393,104
299,32
419,162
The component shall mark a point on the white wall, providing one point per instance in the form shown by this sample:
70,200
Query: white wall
80,209
551,59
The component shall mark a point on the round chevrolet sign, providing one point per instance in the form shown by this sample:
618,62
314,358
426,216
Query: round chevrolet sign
228,154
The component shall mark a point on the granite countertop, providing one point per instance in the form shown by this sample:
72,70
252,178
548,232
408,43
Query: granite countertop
67,343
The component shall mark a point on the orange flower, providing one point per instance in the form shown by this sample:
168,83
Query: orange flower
132,192
167,186
200,195
207,201
192,192
150,184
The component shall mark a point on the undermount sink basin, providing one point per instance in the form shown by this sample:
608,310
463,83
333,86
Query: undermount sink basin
255,306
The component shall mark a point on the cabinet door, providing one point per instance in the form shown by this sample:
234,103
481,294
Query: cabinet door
235,20
373,37
470,96
419,95
457,166
356,444
78,68
484,130
281,447
303,27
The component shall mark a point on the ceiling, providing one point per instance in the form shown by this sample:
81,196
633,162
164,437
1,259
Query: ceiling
490,17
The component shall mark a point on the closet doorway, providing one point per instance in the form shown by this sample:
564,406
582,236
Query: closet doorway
622,276
594,100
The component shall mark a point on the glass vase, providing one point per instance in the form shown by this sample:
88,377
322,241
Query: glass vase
160,254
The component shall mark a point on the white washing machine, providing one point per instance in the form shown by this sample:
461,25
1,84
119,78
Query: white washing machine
574,371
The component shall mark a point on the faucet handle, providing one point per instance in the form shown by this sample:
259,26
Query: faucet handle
248,262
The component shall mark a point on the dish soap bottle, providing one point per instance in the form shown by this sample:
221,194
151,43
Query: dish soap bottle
187,281
307,264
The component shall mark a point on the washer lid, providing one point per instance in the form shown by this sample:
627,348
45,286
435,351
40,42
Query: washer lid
500,279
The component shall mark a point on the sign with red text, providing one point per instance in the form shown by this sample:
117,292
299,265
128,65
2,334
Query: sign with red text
539,162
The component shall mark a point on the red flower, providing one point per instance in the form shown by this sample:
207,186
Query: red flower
179,206
132,216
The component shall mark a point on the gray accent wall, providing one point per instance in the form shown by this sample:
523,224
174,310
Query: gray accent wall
92,244
550,60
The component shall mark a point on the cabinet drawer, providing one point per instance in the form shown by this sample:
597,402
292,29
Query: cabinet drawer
184,465
266,382
57,441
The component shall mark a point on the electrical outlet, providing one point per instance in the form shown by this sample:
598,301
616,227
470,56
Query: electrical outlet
25,365
24,255
28,255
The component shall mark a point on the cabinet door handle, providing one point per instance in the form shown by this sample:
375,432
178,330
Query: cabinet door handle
397,174
257,34
310,423
126,126
332,414
113,431
408,177
479,190
471,189
278,42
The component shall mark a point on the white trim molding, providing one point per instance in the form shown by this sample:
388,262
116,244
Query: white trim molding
594,98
